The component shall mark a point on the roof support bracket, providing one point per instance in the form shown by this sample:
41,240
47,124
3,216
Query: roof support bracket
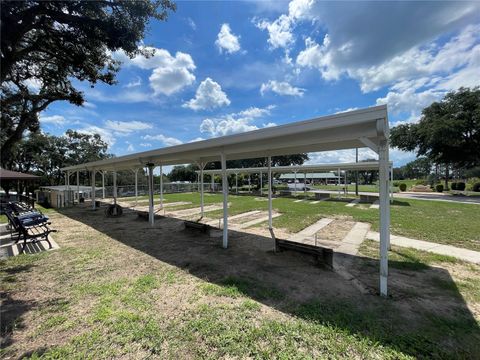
369,143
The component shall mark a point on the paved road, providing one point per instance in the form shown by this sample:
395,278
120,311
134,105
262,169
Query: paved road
421,196
440,197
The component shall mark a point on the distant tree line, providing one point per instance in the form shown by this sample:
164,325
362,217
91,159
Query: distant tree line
188,172
446,139
44,155
47,44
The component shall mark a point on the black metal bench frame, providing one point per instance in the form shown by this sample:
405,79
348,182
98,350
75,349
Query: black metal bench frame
32,229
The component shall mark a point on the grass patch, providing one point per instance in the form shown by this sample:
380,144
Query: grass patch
406,258
440,222
234,287
100,299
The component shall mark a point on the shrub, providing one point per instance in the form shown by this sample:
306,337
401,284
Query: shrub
403,187
453,186
439,187
460,186
476,187
396,184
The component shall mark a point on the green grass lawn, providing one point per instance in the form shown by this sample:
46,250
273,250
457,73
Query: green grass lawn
105,295
440,222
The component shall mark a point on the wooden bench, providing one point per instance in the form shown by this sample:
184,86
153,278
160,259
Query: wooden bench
284,193
204,228
144,215
323,256
322,196
370,198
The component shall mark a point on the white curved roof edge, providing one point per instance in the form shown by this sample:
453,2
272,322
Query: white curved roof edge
345,130
366,165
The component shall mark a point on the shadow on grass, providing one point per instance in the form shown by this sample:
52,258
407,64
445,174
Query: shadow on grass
12,314
400,203
420,318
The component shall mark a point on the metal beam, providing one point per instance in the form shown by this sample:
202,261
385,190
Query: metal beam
93,189
384,216
151,212
103,184
161,187
225,199
261,183
270,222
369,143
78,186
136,186
202,166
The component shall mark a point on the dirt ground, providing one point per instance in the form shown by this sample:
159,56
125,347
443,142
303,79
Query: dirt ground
336,230
94,248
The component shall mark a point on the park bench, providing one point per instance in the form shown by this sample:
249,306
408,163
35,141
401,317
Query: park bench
204,228
28,224
322,196
322,255
368,198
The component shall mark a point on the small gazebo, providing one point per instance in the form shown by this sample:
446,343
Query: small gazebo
9,179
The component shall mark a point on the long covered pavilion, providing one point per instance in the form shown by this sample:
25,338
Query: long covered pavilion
300,171
355,129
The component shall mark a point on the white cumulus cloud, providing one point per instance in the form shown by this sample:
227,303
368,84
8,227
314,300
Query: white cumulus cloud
281,88
209,95
235,122
227,41
165,140
54,120
126,127
170,73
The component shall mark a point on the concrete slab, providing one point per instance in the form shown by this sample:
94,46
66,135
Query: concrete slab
459,253
310,230
194,211
351,243
375,205
255,222
238,216
353,203
9,248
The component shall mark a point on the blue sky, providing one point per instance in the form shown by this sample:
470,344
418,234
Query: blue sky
226,67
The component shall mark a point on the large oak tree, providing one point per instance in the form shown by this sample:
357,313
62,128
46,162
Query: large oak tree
448,132
46,44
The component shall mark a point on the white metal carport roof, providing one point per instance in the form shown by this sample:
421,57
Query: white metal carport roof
354,129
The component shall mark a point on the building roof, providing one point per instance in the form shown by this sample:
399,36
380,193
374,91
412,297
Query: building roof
15,175
328,175
353,129
72,188
364,165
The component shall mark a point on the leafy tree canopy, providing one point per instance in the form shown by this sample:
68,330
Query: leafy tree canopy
448,131
46,44
45,154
